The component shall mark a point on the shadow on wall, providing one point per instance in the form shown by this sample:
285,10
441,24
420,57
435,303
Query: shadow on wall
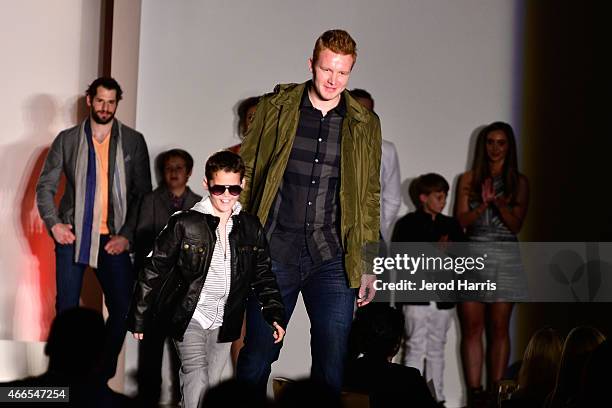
32,278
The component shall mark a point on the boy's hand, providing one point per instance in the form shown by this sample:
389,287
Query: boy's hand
279,333
138,336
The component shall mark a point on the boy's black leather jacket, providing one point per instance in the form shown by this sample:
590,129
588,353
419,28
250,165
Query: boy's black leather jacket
171,281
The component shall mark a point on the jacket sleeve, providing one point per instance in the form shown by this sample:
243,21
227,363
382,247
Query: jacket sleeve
156,268
371,216
48,182
140,184
264,284
249,151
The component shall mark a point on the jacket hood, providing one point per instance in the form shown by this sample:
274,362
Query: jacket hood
205,207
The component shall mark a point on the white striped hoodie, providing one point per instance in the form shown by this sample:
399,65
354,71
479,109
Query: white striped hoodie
211,304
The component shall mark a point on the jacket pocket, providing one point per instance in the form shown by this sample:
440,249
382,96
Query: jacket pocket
192,255
247,255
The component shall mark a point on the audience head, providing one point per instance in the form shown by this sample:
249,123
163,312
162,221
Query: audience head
540,363
496,144
308,393
597,376
75,342
175,167
578,346
377,331
234,393
364,98
246,114
429,192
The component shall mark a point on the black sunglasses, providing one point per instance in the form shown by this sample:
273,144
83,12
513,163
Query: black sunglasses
219,189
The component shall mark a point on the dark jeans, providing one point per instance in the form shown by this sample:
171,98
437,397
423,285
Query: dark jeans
116,278
329,303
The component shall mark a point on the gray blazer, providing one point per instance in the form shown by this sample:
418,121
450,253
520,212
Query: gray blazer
155,211
62,158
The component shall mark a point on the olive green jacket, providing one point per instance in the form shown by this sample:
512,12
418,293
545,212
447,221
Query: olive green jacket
266,150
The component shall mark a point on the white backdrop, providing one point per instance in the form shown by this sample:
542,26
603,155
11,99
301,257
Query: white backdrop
437,70
50,53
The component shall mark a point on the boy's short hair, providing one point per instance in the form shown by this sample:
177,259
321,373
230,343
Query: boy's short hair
183,154
337,41
427,184
226,161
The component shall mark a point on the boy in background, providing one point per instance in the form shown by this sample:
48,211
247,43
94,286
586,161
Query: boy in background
428,323
175,167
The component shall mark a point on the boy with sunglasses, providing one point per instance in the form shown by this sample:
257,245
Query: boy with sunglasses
203,265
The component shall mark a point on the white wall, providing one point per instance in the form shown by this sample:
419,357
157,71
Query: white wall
49,54
437,69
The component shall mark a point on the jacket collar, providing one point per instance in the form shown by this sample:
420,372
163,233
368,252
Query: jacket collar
205,207
291,94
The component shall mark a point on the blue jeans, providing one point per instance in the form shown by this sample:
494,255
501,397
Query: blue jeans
329,303
116,278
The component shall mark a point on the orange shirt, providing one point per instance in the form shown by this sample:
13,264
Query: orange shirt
102,156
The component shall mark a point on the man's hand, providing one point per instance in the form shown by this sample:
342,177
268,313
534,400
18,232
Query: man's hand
62,233
366,290
279,333
116,245
138,336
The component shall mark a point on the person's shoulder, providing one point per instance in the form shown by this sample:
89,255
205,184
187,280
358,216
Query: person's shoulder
130,133
193,197
69,135
408,218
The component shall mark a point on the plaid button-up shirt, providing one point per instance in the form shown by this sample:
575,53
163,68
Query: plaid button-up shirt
306,210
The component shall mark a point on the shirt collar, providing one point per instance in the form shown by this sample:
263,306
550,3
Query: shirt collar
340,109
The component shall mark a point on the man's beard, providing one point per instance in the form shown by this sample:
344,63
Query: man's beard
99,120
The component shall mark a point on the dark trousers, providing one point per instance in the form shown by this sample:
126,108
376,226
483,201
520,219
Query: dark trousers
329,303
116,278
150,357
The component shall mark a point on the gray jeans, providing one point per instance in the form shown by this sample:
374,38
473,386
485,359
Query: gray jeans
203,360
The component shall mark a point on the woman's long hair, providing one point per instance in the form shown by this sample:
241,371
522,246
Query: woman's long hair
578,346
480,166
540,364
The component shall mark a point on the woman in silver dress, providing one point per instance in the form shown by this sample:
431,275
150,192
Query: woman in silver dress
492,204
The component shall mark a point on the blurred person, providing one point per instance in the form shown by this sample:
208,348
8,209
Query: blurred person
390,181
246,114
376,337
538,372
492,204
76,362
427,324
157,206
